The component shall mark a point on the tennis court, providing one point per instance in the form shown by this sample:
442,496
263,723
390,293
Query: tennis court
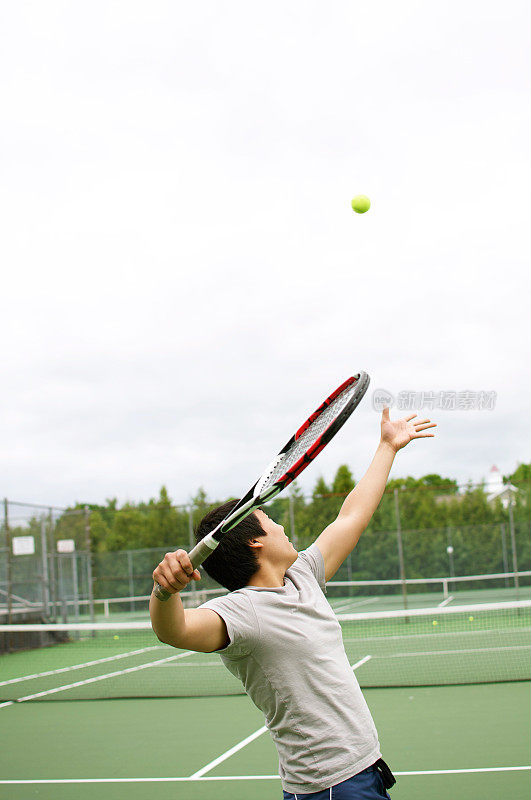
130,746
172,721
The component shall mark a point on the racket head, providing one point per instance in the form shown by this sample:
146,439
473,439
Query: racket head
299,452
313,435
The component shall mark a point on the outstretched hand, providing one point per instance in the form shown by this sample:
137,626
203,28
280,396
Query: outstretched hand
397,433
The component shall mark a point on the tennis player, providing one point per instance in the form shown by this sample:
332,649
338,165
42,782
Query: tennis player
277,633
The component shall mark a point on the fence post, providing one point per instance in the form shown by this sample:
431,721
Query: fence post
75,586
450,551
192,584
513,546
53,565
44,559
504,552
131,579
88,546
400,549
9,575
292,531
62,595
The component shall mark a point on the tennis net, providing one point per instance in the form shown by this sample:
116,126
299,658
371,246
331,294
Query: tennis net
419,647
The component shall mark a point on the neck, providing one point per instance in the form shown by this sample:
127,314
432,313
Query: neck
269,576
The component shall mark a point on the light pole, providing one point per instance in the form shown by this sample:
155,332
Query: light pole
450,551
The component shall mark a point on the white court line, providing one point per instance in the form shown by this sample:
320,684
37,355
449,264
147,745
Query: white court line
100,678
197,664
228,753
457,652
438,634
351,604
246,777
80,666
462,771
445,602
359,663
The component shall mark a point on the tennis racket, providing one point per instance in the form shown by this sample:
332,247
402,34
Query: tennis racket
294,457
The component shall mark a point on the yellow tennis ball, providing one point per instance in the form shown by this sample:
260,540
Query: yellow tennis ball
115,637
471,619
435,622
361,203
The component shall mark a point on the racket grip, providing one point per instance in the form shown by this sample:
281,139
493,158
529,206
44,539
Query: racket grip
198,554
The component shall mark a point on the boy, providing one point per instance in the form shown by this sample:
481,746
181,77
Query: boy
277,633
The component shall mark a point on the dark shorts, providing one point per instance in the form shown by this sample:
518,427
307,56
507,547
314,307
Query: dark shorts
366,785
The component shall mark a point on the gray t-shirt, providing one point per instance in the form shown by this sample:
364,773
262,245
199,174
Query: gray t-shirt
286,648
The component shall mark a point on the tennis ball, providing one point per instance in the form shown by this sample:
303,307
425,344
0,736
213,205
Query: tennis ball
471,619
361,203
435,622
115,637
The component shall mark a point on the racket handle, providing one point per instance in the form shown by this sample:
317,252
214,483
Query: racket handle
198,554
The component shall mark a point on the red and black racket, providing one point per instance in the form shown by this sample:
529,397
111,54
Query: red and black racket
294,457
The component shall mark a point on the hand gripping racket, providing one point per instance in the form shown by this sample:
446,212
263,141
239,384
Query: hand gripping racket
294,457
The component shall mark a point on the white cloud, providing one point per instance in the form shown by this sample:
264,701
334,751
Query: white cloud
183,277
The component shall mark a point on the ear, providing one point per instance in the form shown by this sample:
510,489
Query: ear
256,543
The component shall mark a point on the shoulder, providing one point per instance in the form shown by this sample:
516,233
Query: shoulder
311,561
237,612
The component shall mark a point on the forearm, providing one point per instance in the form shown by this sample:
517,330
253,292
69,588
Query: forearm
364,499
167,618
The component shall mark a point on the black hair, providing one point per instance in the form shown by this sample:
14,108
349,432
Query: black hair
233,563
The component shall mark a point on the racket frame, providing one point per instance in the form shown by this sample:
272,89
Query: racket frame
257,495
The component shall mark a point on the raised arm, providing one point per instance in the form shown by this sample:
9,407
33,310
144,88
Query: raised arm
341,536
198,629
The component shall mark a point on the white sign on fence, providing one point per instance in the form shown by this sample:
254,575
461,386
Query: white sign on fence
23,545
66,546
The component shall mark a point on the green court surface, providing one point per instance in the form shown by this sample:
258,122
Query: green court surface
457,596
118,749
111,712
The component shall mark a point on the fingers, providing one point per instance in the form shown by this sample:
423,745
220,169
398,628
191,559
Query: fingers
385,414
420,427
423,435
410,417
175,571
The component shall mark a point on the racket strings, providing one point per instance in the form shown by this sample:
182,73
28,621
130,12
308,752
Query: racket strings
309,436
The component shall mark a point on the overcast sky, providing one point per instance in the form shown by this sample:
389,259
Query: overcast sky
183,279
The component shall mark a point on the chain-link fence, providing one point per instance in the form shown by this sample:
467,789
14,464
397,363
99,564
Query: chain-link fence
67,564
45,563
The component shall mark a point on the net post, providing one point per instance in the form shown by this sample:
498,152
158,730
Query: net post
400,550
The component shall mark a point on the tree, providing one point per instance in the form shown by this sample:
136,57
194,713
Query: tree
343,481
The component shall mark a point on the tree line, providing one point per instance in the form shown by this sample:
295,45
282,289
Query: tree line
433,512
